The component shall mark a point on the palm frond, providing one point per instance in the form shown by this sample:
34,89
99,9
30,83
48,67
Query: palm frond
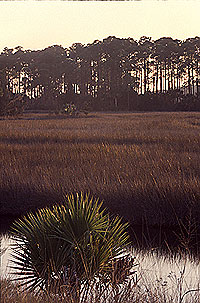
75,240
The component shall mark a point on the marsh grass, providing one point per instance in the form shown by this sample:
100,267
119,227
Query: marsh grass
145,166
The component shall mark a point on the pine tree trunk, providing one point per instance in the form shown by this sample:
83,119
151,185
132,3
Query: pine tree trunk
193,80
157,79
189,80
197,80
165,76
145,79
169,86
161,78
19,79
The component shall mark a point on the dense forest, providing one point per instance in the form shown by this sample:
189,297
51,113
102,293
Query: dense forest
113,74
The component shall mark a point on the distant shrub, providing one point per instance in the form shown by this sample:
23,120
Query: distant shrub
70,109
11,105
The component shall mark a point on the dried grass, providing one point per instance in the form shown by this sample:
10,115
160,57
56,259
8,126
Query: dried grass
144,165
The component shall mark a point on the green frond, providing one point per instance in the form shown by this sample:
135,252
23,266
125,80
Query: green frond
77,239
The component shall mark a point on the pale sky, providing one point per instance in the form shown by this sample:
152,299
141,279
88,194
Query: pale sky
39,24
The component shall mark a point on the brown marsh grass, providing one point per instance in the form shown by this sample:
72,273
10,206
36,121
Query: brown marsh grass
144,165
152,292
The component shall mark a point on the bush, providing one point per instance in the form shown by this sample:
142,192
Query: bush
11,105
70,246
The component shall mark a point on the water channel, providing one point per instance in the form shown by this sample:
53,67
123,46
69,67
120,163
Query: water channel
152,269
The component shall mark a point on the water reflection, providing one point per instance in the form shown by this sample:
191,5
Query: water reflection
152,268
6,251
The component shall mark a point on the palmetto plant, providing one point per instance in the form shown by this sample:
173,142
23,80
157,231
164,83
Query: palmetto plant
68,245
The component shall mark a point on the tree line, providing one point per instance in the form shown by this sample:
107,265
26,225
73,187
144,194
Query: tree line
112,74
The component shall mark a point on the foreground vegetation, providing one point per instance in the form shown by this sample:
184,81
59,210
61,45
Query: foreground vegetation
151,294
158,280
144,166
69,247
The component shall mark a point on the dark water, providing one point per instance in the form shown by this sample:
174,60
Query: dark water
166,240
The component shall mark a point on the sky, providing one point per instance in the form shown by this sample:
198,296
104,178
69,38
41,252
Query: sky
39,24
